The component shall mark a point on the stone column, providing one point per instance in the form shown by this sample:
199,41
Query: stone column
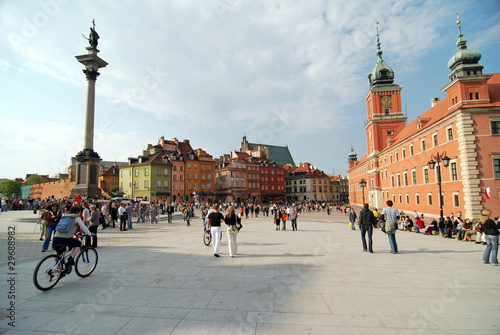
87,167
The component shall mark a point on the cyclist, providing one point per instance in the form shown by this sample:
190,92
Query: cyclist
67,238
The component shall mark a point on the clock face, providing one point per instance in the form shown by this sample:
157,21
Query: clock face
386,100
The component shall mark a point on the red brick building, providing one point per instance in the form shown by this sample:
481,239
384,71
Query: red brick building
464,128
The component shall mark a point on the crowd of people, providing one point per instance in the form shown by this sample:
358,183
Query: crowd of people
485,231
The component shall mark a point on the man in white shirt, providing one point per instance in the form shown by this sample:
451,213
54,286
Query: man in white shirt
86,214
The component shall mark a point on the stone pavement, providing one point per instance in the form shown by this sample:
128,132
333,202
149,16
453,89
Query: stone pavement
161,279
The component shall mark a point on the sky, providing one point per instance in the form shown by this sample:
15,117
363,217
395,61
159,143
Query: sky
282,73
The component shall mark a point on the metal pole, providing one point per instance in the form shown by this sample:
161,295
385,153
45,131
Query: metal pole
439,184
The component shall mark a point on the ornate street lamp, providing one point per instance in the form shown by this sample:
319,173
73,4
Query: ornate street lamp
362,183
437,159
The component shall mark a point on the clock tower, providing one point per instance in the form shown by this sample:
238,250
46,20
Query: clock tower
385,120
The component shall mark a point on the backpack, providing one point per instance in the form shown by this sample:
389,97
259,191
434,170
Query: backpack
65,224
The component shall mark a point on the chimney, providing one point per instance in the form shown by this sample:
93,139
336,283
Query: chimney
434,102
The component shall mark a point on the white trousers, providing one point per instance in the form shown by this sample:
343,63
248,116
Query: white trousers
232,243
215,231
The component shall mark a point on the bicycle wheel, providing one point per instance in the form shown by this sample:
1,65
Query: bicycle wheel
47,273
207,238
86,262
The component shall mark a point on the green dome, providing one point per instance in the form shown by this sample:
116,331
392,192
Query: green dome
382,74
464,62
463,55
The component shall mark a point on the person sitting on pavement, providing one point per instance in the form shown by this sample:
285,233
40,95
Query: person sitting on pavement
466,227
408,224
419,224
432,226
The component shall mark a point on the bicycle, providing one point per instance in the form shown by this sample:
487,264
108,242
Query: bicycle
207,237
53,268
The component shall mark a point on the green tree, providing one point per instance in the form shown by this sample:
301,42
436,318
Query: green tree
35,179
114,188
10,188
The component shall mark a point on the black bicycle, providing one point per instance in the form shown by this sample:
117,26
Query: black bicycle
207,237
52,268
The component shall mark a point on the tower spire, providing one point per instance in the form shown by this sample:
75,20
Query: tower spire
379,50
465,62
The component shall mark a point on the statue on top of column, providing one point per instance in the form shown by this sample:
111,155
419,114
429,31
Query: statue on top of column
93,36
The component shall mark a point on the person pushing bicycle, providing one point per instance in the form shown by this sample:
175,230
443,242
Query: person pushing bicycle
66,238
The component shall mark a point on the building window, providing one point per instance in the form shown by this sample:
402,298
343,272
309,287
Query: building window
137,172
414,177
417,199
165,183
449,131
407,198
136,184
453,171
385,173
189,165
146,183
387,111
390,159
496,167
426,176
158,183
146,171
195,175
495,127
394,198
400,199
456,199
112,178
403,153
405,178
165,172
429,199
389,132
392,180
435,140
397,156
411,150
399,180
422,142
189,175
158,172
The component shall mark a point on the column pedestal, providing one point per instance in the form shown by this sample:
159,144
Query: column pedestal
87,171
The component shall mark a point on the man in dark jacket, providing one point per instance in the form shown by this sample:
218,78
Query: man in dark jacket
367,221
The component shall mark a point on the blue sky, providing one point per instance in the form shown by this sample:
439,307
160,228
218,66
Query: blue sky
282,72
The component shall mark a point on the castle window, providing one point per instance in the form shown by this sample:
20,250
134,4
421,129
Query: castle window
495,127
435,140
417,199
471,96
477,95
387,111
450,133
456,199
411,150
496,167
389,132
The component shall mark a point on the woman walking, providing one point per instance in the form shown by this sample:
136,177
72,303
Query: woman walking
52,215
231,220
93,225
490,230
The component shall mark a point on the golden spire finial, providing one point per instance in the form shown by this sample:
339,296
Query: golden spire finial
458,19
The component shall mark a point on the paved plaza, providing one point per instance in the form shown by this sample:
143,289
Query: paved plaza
162,279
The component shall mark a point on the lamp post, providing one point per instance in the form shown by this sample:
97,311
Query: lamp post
362,183
437,159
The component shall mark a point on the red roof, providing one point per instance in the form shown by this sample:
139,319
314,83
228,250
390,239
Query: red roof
441,110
